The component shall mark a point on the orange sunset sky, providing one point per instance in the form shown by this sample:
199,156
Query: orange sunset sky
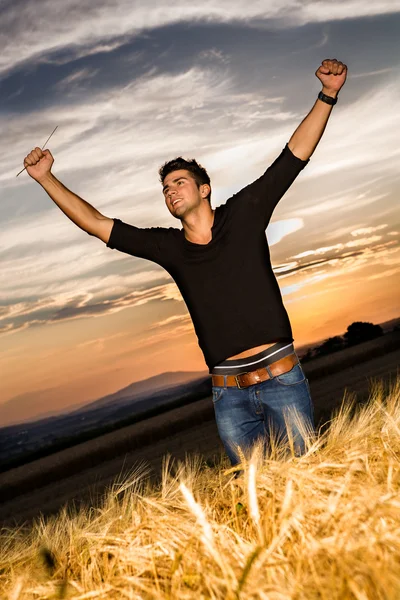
130,89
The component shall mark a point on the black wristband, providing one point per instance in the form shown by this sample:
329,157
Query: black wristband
327,99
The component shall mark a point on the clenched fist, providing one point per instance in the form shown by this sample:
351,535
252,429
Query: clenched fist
38,163
332,74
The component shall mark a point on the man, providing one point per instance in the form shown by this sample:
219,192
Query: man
221,265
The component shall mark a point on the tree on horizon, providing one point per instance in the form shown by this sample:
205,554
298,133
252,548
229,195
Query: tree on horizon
361,331
357,332
332,344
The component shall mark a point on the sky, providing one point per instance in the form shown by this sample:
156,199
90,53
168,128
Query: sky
133,84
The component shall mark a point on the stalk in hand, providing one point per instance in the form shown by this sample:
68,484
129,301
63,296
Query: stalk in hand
38,163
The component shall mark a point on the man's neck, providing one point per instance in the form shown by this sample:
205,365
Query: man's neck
197,226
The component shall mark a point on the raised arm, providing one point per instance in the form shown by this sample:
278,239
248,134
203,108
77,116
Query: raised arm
38,165
332,74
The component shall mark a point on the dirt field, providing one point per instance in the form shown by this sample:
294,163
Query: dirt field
82,472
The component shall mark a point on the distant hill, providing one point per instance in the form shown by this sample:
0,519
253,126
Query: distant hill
27,441
159,382
390,325
32,406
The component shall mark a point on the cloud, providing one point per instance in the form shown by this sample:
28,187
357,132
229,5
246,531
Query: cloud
185,319
135,121
384,274
342,245
82,52
277,230
291,289
82,264
346,9
32,30
339,263
215,54
286,270
176,326
75,78
76,306
367,230
344,203
370,73
322,42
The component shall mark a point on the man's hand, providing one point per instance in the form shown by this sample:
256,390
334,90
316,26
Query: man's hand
332,74
38,163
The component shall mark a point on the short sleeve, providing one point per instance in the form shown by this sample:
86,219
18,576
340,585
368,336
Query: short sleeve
143,242
264,193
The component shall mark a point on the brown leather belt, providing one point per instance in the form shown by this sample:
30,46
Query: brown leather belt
243,380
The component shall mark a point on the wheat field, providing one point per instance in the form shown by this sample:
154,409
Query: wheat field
325,525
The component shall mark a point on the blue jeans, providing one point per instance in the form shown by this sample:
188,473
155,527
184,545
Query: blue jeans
246,415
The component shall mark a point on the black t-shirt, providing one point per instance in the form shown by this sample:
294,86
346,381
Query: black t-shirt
228,284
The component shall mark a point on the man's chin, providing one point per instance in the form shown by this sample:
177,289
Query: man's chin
178,215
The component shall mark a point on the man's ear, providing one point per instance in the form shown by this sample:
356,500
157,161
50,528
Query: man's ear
205,190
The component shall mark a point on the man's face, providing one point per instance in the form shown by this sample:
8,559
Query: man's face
181,193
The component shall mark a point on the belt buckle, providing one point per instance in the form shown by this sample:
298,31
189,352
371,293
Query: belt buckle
237,381
247,373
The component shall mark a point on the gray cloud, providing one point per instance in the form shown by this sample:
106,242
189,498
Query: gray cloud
31,29
76,79
29,314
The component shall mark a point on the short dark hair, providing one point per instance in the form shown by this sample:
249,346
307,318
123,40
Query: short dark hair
198,172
